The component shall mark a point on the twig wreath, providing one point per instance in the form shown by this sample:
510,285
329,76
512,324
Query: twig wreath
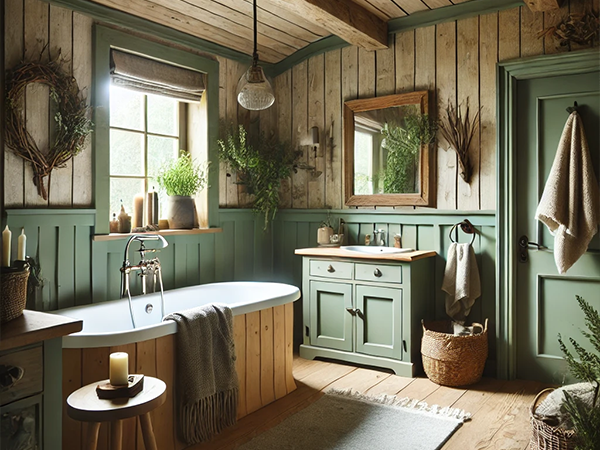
71,118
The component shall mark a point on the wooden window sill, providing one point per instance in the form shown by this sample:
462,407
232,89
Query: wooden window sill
115,236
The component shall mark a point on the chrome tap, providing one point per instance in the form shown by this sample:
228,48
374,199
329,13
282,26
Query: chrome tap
146,268
378,238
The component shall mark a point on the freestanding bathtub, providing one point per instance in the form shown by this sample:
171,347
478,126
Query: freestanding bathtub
263,332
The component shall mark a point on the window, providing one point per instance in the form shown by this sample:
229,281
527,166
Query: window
145,132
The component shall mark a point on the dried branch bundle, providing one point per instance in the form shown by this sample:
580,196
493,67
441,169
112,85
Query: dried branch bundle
71,117
579,29
458,132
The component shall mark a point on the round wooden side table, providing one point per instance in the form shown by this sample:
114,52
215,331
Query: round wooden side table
85,406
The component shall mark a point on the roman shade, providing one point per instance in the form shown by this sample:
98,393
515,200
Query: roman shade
154,77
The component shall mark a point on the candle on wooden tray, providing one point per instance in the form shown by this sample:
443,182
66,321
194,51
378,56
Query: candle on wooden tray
119,368
6,243
138,211
21,245
152,208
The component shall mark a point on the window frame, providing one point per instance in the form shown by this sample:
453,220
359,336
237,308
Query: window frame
106,38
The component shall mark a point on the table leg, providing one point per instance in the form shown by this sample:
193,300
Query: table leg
91,441
116,435
147,432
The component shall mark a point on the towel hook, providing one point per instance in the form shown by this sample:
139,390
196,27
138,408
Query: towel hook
573,108
466,227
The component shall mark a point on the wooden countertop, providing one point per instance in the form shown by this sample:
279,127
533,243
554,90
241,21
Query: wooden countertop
341,253
36,326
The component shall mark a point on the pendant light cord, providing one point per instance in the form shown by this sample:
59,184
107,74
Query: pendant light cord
255,55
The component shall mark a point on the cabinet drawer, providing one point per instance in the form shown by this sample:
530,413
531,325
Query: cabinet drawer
379,272
30,362
331,269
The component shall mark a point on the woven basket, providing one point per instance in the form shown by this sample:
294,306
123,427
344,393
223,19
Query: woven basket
452,360
547,437
13,286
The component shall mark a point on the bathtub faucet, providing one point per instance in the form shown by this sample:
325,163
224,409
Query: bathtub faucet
146,268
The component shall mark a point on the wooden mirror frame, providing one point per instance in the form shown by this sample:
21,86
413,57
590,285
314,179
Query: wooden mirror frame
425,195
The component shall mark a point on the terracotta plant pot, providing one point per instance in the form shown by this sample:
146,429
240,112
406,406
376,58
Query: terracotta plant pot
180,212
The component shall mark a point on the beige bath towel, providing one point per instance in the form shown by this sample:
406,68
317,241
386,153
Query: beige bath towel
570,204
207,384
461,281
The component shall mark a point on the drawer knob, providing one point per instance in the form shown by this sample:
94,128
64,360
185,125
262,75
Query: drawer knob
9,375
377,273
330,269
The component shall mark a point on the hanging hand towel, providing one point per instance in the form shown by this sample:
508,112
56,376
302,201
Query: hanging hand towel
461,281
207,384
570,204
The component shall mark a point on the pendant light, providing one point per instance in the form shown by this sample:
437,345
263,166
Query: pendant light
254,91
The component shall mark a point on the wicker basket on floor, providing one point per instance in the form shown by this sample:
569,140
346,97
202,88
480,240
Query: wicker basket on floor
13,287
452,360
547,437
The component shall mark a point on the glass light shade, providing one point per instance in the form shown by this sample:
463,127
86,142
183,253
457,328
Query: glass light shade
254,92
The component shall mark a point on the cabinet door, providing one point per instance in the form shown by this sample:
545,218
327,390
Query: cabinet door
330,320
20,425
379,321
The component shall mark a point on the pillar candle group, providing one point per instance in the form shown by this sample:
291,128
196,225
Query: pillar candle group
7,246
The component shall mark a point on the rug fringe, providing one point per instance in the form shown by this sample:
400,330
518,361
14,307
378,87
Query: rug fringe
405,402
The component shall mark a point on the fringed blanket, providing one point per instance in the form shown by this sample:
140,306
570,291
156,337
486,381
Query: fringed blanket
207,384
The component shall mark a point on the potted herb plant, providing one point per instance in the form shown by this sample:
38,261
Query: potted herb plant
180,179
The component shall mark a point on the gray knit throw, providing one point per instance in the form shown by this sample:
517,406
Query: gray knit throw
207,384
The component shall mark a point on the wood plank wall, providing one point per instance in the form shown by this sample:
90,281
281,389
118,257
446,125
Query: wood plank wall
455,60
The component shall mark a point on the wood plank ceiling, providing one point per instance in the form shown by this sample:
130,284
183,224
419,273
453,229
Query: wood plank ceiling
281,30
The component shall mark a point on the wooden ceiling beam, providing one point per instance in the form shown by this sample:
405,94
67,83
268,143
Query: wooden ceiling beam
344,18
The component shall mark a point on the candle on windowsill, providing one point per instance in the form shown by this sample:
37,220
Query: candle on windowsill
6,243
119,369
138,211
152,207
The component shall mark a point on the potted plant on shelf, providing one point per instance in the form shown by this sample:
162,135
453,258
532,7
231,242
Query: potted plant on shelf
180,179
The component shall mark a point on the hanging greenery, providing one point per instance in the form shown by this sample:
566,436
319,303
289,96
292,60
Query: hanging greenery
403,143
260,166
71,118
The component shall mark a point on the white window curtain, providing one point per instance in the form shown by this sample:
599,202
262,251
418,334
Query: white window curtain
154,77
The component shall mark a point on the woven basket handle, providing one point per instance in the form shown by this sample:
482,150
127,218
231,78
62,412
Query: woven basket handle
534,404
482,327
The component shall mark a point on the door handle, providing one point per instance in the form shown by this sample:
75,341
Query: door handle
351,311
360,314
524,244
9,376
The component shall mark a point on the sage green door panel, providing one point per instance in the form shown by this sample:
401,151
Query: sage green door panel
545,303
330,320
379,321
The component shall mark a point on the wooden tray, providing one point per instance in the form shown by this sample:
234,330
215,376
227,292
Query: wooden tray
133,388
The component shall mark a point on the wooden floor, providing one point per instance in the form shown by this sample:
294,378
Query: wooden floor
500,408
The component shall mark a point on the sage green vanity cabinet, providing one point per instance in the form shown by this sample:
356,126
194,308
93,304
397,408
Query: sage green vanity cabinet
367,311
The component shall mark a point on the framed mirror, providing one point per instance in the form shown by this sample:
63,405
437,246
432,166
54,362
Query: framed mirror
383,164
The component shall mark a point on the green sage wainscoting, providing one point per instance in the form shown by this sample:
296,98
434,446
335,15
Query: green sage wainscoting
77,270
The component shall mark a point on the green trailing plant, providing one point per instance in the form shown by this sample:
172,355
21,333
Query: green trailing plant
403,144
182,176
586,367
260,166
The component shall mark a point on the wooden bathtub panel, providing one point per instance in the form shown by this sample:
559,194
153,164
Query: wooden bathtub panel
289,347
263,341
253,400
129,425
239,335
267,389
71,381
279,346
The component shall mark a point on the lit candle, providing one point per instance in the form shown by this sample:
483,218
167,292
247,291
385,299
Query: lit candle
21,245
138,211
6,243
119,368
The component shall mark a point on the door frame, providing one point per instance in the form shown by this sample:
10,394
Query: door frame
507,76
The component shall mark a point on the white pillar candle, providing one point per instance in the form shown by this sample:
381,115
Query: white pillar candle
6,243
119,368
21,246
138,211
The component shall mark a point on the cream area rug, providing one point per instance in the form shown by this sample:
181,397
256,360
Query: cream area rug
342,420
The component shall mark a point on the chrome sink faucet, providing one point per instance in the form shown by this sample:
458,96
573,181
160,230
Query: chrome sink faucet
146,267
378,238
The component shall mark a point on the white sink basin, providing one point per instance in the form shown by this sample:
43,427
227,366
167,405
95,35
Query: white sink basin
374,250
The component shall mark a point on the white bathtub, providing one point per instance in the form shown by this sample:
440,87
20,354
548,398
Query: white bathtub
108,324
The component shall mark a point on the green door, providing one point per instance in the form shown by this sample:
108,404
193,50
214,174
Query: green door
545,301
379,321
330,315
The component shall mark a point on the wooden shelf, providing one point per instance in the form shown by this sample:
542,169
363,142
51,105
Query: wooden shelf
36,326
115,236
